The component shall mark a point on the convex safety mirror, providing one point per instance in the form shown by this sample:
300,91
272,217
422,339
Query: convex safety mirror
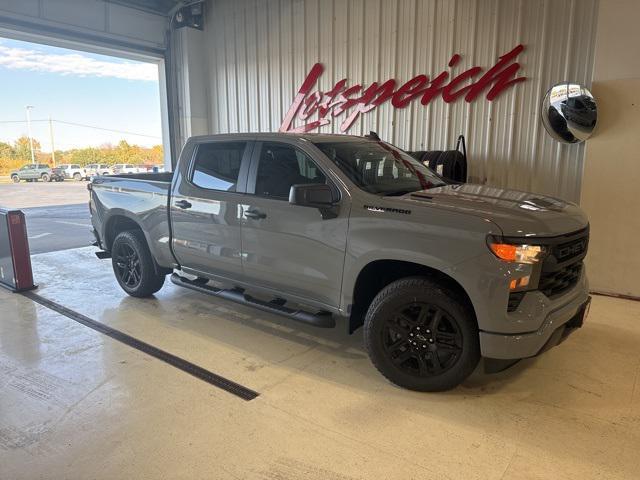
569,113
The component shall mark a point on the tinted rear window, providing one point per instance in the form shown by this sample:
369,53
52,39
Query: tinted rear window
217,165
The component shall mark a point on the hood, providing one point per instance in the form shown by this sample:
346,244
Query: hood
517,213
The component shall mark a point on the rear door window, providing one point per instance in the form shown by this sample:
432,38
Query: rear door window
217,165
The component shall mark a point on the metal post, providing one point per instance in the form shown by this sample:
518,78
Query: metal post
29,107
53,148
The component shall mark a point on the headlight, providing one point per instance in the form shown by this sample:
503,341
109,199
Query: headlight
517,253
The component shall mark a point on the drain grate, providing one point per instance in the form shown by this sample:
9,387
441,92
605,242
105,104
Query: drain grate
177,362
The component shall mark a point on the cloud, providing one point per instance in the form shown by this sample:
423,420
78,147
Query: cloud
74,64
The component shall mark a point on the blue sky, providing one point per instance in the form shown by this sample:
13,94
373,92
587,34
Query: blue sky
77,87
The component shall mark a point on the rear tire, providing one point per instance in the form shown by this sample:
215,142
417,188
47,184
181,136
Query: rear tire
133,265
45,177
77,177
453,166
15,178
422,336
418,154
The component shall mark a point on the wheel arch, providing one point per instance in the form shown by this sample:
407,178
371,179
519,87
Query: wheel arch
379,273
116,223
119,222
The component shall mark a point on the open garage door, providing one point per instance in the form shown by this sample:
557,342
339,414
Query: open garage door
69,115
134,30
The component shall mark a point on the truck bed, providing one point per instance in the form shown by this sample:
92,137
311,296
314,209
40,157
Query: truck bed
142,198
154,177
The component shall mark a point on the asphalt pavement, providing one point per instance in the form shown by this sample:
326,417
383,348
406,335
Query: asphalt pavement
58,227
57,214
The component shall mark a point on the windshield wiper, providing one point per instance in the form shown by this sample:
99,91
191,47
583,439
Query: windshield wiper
398,193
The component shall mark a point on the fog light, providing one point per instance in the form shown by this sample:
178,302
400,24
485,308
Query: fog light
517,283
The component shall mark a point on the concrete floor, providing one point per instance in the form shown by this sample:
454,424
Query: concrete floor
76,404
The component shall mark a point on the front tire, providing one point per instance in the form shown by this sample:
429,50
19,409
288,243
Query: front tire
133,265
77,177
15,179
422,336
45,177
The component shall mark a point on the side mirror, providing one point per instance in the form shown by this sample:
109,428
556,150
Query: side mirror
318,195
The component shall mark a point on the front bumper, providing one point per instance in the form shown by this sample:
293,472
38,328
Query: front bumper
557,326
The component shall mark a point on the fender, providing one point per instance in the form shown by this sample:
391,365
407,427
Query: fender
356,265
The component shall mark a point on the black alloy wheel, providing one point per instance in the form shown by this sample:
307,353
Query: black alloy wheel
422,334
133,265
422,339
128,266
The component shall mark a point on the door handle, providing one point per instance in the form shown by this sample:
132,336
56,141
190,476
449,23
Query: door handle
255,214
183,204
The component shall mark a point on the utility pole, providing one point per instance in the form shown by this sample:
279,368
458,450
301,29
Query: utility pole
53,148
29,107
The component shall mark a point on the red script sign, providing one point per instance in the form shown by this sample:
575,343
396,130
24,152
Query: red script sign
342,97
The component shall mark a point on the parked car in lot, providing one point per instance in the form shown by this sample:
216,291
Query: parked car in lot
152,168
36,171
121,168
94,169
325,228
71,171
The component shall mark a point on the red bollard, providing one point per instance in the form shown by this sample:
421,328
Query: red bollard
15,260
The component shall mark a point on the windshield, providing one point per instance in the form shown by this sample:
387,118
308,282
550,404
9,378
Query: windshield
380,168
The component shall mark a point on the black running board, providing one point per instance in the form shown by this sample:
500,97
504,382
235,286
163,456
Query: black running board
321,319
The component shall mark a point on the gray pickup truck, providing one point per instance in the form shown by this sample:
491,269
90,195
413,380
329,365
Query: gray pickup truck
337,228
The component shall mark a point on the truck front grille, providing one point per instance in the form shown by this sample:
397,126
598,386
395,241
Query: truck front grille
556,283
563,266
569,250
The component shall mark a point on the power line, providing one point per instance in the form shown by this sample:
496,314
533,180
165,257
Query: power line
21,121
107,129
85,126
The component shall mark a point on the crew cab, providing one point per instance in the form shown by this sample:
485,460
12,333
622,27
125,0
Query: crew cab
33,172
95,169
71,171
329,229
120,168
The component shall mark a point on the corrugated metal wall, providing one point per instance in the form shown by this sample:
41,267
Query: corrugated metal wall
259,52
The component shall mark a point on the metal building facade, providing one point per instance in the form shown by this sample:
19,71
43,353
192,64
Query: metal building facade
259,52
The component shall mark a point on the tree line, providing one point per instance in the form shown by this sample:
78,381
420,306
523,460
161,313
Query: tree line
14,155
